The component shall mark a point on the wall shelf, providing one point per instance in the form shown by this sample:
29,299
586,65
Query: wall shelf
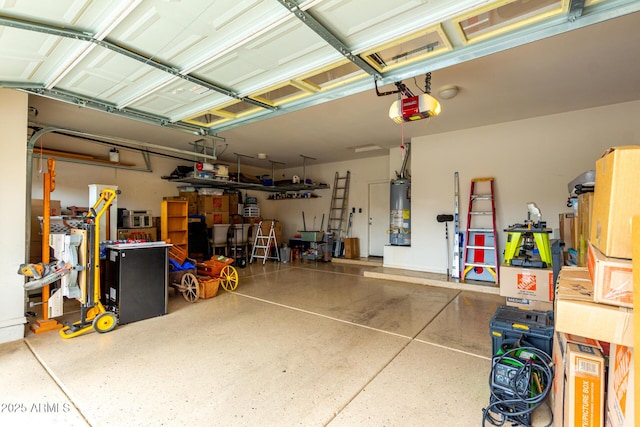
233,185
87,159
288,196
226,184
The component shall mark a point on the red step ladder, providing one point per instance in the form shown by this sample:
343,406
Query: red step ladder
481,245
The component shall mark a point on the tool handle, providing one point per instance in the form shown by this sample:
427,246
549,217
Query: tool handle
444,218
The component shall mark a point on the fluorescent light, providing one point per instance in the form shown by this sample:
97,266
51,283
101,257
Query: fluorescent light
363,148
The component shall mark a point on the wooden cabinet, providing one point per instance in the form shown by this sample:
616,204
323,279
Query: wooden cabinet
174,223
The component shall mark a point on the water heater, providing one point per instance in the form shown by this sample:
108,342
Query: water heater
400,213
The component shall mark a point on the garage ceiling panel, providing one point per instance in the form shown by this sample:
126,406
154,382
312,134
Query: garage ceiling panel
87,14
23,53
364,24
178,59
284,52
181,99
109,76
197,30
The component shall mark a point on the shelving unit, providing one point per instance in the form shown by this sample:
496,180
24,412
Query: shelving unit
289,195
233,185
225,184
174,220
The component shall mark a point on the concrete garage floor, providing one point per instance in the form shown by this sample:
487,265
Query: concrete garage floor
297,344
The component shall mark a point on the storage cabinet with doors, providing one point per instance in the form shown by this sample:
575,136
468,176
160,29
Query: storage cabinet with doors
174,223
135,285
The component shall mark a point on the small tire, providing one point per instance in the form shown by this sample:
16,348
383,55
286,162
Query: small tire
105,322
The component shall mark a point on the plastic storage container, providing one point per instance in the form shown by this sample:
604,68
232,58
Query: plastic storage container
285,254
531,327
312,236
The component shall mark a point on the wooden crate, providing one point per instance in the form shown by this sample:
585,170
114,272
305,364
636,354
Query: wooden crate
352,248
214,266
178,254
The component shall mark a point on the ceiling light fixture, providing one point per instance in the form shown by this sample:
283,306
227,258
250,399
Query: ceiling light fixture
448,92
262,156
367,147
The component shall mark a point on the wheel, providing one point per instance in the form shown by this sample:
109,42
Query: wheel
105,322
229,278
190,287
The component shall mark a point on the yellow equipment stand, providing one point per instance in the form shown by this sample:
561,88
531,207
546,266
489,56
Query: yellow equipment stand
92,312
540,237
46,324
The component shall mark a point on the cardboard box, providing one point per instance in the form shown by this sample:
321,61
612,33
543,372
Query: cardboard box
584,403
568,223
234,200
602,322
527,304
556,395
612,278
212,218
189,196
149,234
527,283
35,250
574,283
192,201
266,226
37,208
251,220
636,290
585,212
620,390
616,200
584,386
352,248
208,203
636,295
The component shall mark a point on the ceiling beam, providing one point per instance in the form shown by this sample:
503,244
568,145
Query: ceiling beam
575,9
152,62
94,104
329,37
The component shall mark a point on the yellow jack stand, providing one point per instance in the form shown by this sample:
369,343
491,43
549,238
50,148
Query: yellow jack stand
47,325
540,237
49,185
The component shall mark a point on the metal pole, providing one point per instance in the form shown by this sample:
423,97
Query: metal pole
273,171
304,167
238,155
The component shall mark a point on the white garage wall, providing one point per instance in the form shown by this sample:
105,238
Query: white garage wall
531,160
13,111
363,172
139,190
